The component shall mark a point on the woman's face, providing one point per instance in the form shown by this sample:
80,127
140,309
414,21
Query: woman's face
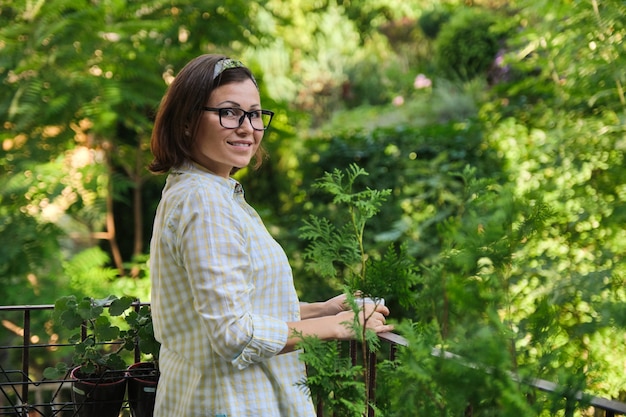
219,149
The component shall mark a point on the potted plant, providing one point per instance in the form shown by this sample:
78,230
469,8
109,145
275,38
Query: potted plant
97,369
143,376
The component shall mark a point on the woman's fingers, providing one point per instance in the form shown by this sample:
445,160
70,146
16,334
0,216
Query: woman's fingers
373,317
378,323
370,309
376,319
370,318
336,305
382,309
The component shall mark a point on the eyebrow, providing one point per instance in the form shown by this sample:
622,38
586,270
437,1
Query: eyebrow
235,104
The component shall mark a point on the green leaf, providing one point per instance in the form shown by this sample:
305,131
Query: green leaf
104,331
71,319
59,371
120,305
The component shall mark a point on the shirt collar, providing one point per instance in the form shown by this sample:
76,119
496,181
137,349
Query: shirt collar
229,183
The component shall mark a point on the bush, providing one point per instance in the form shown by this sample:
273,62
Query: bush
417,163
467,45
431,22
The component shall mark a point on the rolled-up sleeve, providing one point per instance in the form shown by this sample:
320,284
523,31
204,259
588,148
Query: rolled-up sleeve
269,338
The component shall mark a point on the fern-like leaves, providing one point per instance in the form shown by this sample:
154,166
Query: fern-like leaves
328,247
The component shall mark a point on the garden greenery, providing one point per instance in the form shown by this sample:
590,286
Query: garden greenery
337,249
505,190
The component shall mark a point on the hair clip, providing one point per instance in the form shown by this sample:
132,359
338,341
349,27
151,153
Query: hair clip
228,63
224,64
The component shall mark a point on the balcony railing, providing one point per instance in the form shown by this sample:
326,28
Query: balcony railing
21,396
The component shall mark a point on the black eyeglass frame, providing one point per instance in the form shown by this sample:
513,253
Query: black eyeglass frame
249,114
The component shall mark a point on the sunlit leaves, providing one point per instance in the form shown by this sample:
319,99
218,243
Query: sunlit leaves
563,147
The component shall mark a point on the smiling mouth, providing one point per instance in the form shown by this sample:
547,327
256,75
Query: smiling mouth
240,144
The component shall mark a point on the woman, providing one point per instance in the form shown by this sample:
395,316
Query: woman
223,302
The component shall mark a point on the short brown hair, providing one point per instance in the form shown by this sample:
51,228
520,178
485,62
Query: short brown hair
180,111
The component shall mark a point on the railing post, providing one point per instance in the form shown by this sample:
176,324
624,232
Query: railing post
353,352
25,360
320,409
393,349
371,383
137,350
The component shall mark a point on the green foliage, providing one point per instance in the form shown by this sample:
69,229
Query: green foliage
29,244
444,103
326,54
344,245
99,343
332,379
424,381
327,246
93,353
466,45
342,251
141,331
367,83
88,272
526,273
413,162
560,133
393,275
464,307
80,83
334,252
431,21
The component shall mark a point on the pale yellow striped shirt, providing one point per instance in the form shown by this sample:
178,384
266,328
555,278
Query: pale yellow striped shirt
222,292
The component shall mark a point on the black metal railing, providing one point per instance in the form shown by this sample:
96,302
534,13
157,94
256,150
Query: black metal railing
22,395
602,406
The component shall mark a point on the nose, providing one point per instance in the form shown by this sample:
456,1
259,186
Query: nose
246,125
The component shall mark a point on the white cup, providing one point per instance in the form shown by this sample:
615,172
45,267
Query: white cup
368,300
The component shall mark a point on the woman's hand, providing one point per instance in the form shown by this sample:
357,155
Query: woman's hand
317,320
324,308
336,305
372,316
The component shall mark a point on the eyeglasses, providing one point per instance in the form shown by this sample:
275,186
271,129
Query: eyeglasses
232,117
